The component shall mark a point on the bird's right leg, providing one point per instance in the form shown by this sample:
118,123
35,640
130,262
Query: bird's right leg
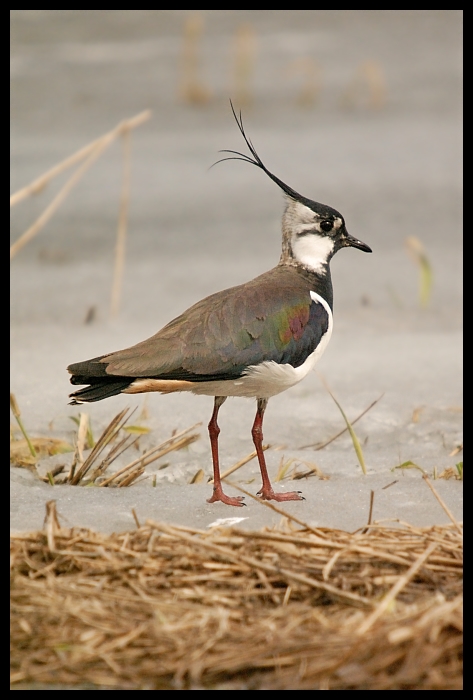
214,432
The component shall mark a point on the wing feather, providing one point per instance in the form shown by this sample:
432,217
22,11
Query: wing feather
271,318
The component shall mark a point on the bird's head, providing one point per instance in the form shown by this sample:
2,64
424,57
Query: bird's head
312,232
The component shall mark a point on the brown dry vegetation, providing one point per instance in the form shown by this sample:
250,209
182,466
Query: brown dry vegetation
175,608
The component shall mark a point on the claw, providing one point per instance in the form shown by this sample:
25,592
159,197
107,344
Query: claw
218,495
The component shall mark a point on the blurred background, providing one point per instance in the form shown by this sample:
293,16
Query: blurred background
358,109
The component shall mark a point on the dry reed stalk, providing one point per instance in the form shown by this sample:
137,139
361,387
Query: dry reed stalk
88,155
241,463
122,226
16,412
108,435
245,49
176,442
443,504
44,179
395,590
192,89
310,72
367,88
320,446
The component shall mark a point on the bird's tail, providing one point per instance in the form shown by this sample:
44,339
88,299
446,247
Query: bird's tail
97,390
100,384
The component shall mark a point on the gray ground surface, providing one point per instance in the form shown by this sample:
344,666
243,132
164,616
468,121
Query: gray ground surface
394,172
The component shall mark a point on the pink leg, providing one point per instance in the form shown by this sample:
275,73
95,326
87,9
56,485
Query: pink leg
214,432
266,492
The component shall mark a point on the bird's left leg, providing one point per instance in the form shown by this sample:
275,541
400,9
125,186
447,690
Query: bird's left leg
214,432
266,492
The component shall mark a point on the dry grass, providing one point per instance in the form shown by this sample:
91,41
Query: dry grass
244,64
416,251
116,439
193,89
84,158
88,155
320,445
176,608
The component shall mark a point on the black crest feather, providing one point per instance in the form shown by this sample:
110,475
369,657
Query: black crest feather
255,159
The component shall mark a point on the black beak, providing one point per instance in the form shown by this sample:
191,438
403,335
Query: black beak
351,242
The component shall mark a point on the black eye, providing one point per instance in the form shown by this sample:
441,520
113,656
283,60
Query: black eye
326,226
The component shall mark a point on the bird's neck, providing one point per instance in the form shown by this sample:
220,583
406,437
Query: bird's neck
320,281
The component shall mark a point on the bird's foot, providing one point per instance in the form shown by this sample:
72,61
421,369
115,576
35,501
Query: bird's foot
267,494
218,495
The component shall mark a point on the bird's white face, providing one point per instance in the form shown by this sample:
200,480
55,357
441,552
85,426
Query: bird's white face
313,237
312,251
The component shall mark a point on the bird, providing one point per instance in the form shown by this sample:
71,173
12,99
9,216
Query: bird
254,340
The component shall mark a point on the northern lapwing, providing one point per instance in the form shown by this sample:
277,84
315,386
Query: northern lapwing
254,340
